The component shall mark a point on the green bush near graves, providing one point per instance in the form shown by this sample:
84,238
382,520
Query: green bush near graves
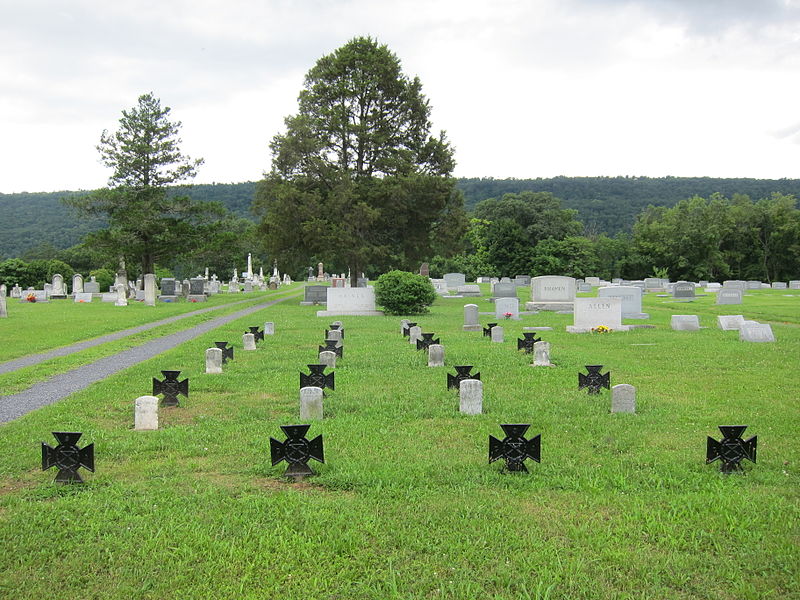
406,505
404,293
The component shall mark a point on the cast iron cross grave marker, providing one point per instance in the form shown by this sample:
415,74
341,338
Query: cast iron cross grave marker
407,329
331,346
527,343
487,331
296,450
462,373
317,378
426,341
258,334
515,448
731,449
594,380
170,387
67,457
227,351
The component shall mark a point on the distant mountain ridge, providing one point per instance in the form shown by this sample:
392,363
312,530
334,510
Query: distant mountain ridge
604,204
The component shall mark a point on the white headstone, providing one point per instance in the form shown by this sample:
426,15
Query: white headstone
350,301
471,322
435,355
249,341
591,313
455,280
541,354
58,289
414,334
730,322
631,297
122,295
269,328
149,289
146,413
310,403
77,283
506,308
470,394
3,307
685,322
623,398
214,361
552,292
83,297
756,332
328,358
728,295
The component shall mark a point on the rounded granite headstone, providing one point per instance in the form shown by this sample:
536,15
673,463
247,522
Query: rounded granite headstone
414,334
327,358
471,318
146,413
623,398
214,361
269,328
435,355
470,394
497,334
249,341
310,403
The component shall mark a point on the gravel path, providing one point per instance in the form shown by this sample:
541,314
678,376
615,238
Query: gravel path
65,384
32,359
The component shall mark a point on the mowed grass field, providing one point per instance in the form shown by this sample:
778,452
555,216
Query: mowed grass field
406,504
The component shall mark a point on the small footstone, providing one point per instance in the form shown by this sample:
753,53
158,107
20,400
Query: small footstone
497,334
541,354
249,341
310,403
269,328
435,355
471,397
623,398
213,361
146,413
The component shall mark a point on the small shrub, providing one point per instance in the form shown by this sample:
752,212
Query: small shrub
403,293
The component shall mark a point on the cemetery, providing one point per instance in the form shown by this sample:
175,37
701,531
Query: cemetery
482,478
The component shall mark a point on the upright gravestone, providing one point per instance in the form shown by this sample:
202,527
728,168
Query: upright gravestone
552,293
91,286
3,307
470,394
730,322
591,313
424,270
506,308
414,334
756,332
471,318
541,354
497,334
455,280
196,290
59,290
314,294
328,358
685,323
168,290
522,280
631,297
350,301
145,416
122,296
779,285
149,289
435,355
729,296
249,341
684,290
16,291
311,403
269,328
213,361
794,284
623,398
77,283
734,284
504,290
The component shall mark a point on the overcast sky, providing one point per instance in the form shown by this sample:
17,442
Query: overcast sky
526,89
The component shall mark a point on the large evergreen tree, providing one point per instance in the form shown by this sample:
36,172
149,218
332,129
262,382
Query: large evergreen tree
357,179
146,223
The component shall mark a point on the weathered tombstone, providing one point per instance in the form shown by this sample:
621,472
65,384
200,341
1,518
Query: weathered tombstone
196,290
487,331
541,354
552,293
468,291
311,403
779,285
334,334
233,286
462,373
414,334
731,449
522,280
435,355
527,342
145,417
455,280
59,290
149,289
317,378
497,334
593,381
315,294
328,358
350,301
77,283
471,318
3,307
227,351
171,388
16,291
333,346
623,398
91,286
685,323
168,290
406,327
506,308
591,313
735,284
269,328
122,296
67,457
729,296
631,297
683,289
424,270
794,284
213,361
514,449
756,332
730,322
247,287
426,340
258,334
470,394
248,341
296,450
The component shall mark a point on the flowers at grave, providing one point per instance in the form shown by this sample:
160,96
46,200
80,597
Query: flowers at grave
601,329
31,297
508,315
193,300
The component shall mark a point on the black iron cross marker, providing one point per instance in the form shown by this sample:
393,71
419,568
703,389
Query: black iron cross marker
487,331
296,450
331,346
170,387
317,378
462,373
67,457
407,329
731,449
527,343
258,334
227,351
426,341
514,448
594,380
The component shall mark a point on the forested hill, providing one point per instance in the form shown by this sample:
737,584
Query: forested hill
610,204
604,204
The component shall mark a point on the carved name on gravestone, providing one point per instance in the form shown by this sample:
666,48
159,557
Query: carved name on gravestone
515,448
504,290
631,297
487,331
171,388
315,294
258,334
506,308
683,289
551,292
731,449
67,457
317,378
462,373
591,313
227,351
427,341
729,296
593,381
333,346
528,340
454,280
755,332
350,301
685,322
296,450
730,322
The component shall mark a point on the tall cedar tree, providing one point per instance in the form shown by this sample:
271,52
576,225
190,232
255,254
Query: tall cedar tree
146,222
357,179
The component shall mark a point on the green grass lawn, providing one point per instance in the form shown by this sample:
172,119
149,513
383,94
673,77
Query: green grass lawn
406,504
